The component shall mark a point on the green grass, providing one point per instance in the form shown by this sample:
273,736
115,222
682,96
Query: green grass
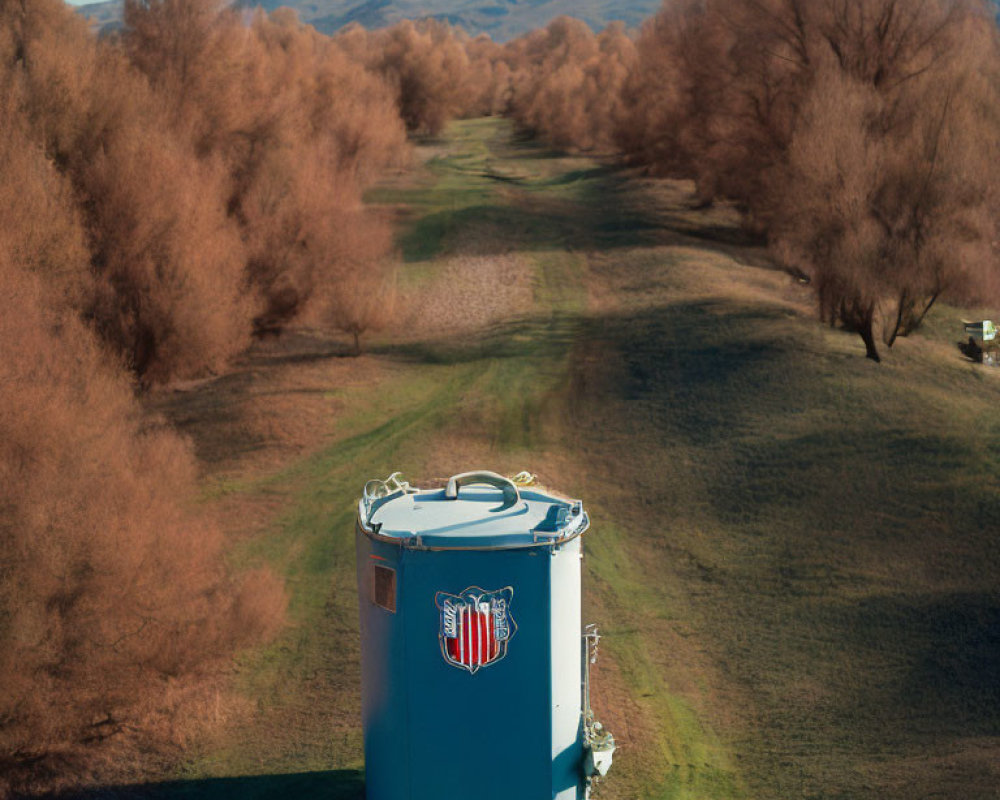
832,524
793,551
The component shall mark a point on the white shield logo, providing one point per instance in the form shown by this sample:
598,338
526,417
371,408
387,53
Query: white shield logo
476,626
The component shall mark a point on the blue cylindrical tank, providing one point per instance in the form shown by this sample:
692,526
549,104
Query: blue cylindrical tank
474,674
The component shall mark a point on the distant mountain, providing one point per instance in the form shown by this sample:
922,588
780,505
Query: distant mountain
501,19
106,15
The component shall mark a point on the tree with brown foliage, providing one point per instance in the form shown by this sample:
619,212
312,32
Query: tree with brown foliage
888,206
210,160
164,283
425,62
118,617
488,85
298,128
170,264
118,614
889,195
162,190
858,135
716,93
45,234
303,225
364,279
567,82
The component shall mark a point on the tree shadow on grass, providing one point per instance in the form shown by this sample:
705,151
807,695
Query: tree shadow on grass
526,144
590,209
690,371
342,784
949,661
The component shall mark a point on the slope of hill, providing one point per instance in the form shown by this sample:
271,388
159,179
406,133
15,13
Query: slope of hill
501,19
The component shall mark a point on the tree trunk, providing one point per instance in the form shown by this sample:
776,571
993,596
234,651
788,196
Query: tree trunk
357,343
920,320
906,320
890,338
868,337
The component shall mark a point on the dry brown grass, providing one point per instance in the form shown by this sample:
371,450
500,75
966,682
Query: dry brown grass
467,295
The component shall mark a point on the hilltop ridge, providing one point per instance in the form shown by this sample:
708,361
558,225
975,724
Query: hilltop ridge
501,19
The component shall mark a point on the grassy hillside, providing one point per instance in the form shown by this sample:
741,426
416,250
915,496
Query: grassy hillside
793,551
501,19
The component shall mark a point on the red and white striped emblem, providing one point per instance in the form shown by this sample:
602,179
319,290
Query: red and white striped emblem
476,626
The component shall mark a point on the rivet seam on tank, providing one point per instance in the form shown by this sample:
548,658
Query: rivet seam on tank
475,626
